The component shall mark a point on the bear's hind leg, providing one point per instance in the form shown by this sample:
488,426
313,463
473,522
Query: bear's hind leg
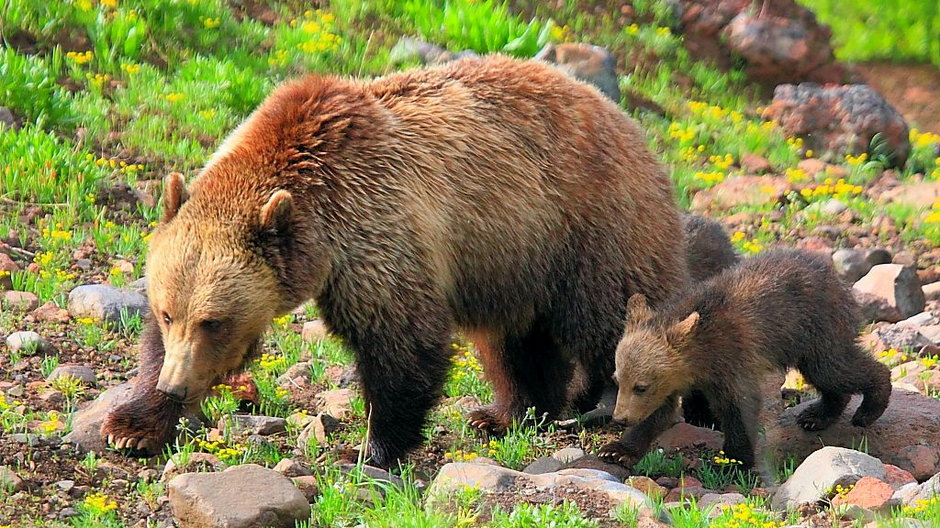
823,413
839,375
527,371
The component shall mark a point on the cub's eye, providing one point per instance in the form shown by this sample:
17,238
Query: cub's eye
640,388
167,319
211,325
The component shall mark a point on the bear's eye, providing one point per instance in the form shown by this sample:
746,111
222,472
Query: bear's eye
167,319
640,388
211,325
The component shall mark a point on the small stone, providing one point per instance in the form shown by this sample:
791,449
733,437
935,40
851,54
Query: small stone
755,164
823,471
683,494
686,435
260,425
931,291
65,485
241,496
410,50
897,477
897,284
100,301
568,454
833,207
7,120
812,166
585,62
869,493
336,403
9,480
296,374
27,343
315,331
82,373
20,301
292,468
50,313
320,428
921,460
850,264
308,486
543,465
7,265
720,500
647,486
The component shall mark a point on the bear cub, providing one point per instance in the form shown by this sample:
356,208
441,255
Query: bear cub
781,309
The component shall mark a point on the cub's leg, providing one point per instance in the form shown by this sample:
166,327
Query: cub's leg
837,375
526,371
636,442
696,411
738,409
146,422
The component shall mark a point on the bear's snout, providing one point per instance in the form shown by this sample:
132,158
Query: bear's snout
174,392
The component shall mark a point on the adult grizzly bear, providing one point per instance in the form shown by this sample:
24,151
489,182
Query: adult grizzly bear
492,195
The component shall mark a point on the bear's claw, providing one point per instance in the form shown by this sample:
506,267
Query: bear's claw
617,453
485,419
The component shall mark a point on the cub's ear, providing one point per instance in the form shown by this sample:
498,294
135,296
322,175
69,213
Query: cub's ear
278,213
174,194
638,310
684,328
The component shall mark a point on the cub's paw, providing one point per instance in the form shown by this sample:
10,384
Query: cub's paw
815,418
489,420
864,419
137,436
618,453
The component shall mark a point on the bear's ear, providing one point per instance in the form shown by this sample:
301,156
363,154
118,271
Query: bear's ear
278,213
174,194
638,311
680,331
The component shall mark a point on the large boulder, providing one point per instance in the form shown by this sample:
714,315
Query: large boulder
898,285
247,496
906,435
839,120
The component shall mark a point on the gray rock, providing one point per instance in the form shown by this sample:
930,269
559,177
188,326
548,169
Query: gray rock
260,425
543,465
909,426
921,319
298,373
931,291
319,428
902,336
926,490
898,284
568,454
100,301
292,468
833,207
721,500
875,308
850,264
244,496
409,50
10,481
83,373
585,62
65,485
27,343
375,474
7,120
822,471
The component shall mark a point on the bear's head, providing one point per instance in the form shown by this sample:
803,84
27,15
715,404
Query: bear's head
212,289
650,365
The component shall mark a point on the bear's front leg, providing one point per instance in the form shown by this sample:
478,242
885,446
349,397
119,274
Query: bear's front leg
146,422
636,442
739,409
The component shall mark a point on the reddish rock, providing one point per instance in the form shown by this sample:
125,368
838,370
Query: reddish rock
20,300
897,477
875,308
923,461
755,164
840,120
315,331
682,494
812,166
685,435
7,266
868,492
243,387
921,194
740,190
647,486
897,284
50,313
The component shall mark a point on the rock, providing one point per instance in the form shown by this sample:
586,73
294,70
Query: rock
7,265
242,496
315,331
812,166
720,500
875,308
905,435
100,301
194,462
897,284
336,403
900,336
853,264
320,428
308,486
27,343
20,301
897,477
410,50
929,489
839,120
919,194
921,319
7,120
687,493
80,372
869,493
260,425
568,454
821,472
377,475
50,313
833,207
543,465
737,191
297,374
585,62
647,486
594,462
931,291
457,475
292,468
755,164
10,481
685,435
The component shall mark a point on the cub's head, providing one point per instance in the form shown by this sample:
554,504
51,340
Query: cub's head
212,291
650,364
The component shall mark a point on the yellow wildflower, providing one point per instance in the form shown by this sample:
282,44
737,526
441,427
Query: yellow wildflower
175,97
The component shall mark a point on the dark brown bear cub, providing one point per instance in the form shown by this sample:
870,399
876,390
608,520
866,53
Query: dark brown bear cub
782,309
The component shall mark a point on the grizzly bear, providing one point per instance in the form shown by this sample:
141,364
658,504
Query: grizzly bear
491,195
708,249
781,309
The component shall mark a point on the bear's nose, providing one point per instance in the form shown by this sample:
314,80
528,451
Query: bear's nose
174,392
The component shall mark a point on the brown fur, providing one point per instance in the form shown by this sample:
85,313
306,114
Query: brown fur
492,195
782,309
708,249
